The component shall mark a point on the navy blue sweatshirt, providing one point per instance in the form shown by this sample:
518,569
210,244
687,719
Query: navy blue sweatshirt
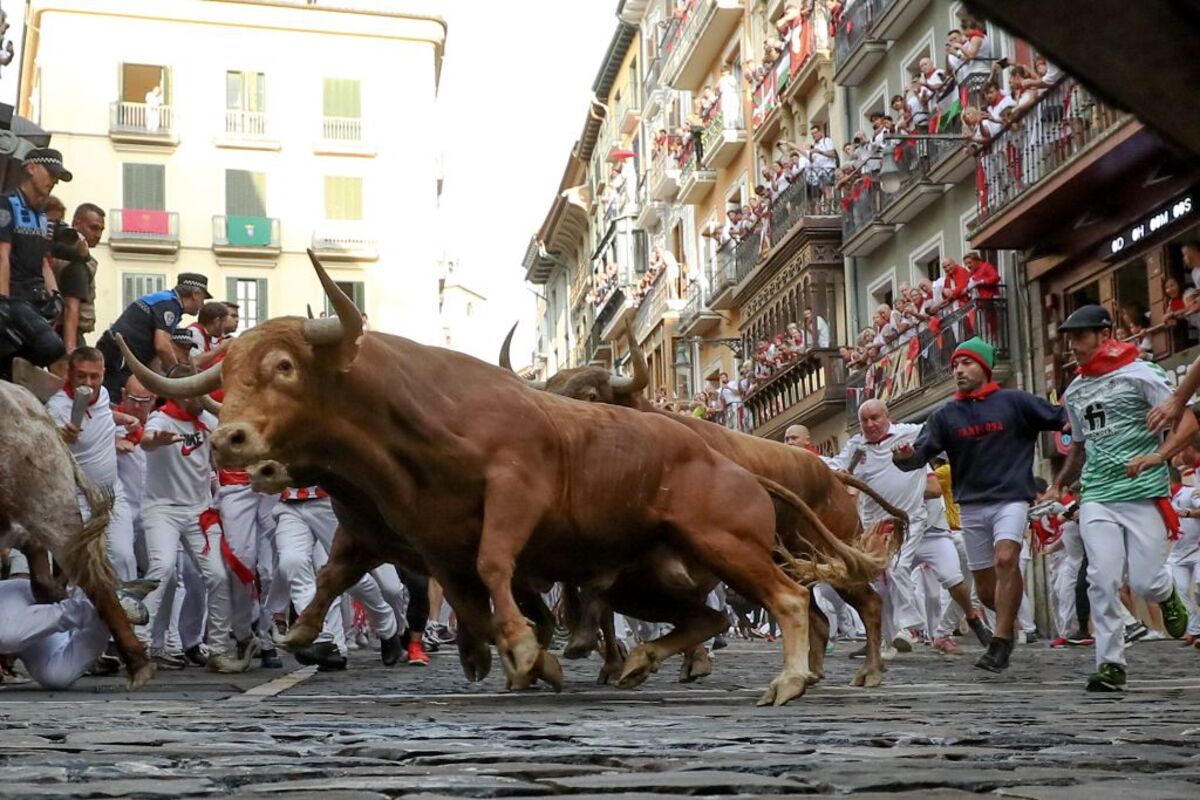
989,442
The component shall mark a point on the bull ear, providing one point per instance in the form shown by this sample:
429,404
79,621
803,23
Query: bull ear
338,337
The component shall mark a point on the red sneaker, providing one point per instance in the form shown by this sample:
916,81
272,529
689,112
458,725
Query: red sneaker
1059,642
417,657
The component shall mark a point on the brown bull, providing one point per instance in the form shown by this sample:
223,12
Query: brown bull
433,451
822,489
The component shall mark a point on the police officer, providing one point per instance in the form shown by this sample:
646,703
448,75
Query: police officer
29,303
147,324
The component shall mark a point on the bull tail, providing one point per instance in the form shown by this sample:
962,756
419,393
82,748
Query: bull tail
86,560
847,564
899,516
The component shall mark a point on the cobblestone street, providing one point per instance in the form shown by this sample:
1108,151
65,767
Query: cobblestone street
937,728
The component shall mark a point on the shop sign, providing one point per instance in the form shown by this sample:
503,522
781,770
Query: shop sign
1179,210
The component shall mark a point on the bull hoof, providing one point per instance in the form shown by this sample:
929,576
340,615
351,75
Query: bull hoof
519,655
141,676
696,665
641,664
475,658
784,689
579,647
549,670
610,671
867,677
299,636
815,677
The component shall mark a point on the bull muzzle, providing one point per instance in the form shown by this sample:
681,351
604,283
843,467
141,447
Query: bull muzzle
269,477
238,445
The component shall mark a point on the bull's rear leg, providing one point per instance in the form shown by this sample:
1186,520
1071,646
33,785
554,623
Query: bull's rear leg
535,609
42,583
697,664
614,649
789,602
138,666
693,624
348,562
584,638
818,638
867,603
469,599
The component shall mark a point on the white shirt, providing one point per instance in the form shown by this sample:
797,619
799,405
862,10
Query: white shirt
822,334
96,449
935,509
1187,546
1005,101
178,474
131,468
731,393
905,490
820,160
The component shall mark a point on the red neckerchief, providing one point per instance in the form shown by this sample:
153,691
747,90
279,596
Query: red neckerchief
980,393
1111,356
176,411
136,435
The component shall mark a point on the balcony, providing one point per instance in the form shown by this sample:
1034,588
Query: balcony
248,130
856,50
1036,169
343,136
748,252
722,278
597,347
345,240
142,126
895,17
910,378
629,109
862,230
652,88
917,191
807,391
707,27
659,302
695,184
649,211
145,231
794,205
613,313
245,237
722,142
664,177
805,63
696,318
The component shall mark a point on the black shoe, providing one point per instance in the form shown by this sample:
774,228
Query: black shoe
859,653
270,659
104,666
196,656
390,650
719,642
981,631
996,657
324,655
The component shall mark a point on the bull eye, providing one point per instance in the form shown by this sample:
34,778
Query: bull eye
284,366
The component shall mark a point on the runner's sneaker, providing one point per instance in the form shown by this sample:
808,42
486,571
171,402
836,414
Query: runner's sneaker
169,661
720,643
904,641
996,657
270,659
416,655
982,632
945,645
197,654
1175,616
279,631
1080,641
1134,632
1058,643
859,653
1109,678
324,655
247,650
226,664
391,649
104,666
437,632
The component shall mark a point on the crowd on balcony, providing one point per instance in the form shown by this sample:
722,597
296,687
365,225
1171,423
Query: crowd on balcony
817,15
924,308
662,263
605,281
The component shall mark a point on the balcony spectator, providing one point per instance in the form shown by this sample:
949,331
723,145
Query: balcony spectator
731,399
154,102
1191,260
660,397
823,157
969,51
821,14
1173,304
955,278
730,100
973,128
983,280
1191,309
1045,75
933,80
997,101
816,330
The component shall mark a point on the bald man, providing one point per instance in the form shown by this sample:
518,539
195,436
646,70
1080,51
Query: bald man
799,436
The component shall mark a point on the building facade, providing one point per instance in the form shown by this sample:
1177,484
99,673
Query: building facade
227,137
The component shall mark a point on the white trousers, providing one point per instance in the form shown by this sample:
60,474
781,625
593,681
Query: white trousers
1025,611
1122,539
954,614
118,539
299,527
904,611
249,529
167,526
57,642
1184,574
1064,573
186,600
938,553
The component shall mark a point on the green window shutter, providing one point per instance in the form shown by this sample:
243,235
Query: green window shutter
245,193
343,197
263,313
144,186
233,91
342,98
231,289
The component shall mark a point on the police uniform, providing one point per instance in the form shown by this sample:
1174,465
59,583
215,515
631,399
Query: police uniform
141,319
28,231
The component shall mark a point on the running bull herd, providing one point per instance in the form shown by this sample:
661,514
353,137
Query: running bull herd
499,488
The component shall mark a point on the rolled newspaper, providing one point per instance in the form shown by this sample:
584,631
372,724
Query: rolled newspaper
83,396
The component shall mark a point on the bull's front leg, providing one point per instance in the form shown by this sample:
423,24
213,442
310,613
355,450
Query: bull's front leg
512,509
348,562
42,583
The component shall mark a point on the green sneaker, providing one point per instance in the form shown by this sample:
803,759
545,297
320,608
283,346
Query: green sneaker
1109,678
1175,616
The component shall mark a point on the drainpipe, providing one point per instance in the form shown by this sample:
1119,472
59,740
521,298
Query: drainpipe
850,263
553,259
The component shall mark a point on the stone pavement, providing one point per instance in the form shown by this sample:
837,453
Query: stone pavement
936,729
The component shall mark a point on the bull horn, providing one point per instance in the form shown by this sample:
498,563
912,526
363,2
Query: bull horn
505,361
641,373
192,386
210,405
308,308
344,330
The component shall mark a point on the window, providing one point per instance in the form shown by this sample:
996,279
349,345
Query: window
245,193
1086,295
1132,292
144,186
245,91
139,80
137,284
355,290
343,197
251,296
343,98
882,290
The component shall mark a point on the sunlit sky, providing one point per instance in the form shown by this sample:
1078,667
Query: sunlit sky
514,94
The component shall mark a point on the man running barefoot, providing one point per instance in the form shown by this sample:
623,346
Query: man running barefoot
1125,511
988,433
